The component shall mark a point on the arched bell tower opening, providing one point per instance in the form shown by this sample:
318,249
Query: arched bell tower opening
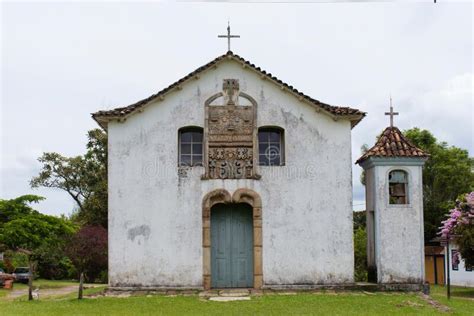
221,201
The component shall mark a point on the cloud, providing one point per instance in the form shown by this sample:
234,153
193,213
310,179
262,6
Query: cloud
445,110
15,182
62,61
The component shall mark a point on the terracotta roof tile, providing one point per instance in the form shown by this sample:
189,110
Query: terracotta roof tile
103,116
392,143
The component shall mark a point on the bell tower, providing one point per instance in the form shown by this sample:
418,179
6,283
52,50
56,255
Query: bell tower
394,204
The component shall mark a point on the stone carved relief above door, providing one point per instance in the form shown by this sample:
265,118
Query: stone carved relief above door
230,134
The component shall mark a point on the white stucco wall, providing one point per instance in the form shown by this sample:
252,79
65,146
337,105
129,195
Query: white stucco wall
459,277
155,225
398,231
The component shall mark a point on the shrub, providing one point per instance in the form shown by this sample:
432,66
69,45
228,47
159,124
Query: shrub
360,255
87,250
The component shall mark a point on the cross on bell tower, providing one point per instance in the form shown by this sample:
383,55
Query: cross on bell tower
391,113
228,36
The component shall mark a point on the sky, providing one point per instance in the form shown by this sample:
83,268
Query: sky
61,61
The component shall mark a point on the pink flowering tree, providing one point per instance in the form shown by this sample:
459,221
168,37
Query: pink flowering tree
459,227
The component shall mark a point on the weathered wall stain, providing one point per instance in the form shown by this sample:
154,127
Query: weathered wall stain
142,230
291,120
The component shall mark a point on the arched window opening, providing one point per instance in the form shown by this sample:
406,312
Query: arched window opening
271,146
190,146
398,187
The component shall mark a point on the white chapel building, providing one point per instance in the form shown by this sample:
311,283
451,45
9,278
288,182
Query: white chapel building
232,178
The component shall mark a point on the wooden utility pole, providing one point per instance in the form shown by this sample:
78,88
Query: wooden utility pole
81,285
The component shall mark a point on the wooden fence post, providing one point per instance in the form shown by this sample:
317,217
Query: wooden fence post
81,285
30,280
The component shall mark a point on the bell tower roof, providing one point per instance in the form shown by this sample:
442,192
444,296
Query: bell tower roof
392,143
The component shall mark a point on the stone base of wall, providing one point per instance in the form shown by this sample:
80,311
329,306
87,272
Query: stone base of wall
371,287
154,288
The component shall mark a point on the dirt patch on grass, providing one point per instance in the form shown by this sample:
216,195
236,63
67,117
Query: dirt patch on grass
440,307
44,293
409,304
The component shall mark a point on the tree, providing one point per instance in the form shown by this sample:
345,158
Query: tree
84,178
360,254
26,230
10,210
360,246
18,207
447,174
359,219
52,262
459,227
87,250
64,173
22,227
31,231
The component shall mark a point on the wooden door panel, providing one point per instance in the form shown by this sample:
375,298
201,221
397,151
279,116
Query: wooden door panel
241,272
429,269
440,269
220,248
231,246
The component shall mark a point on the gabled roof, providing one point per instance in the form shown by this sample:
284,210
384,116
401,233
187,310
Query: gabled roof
354,115
392,143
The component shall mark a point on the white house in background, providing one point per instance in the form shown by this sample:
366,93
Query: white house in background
460,274
230,177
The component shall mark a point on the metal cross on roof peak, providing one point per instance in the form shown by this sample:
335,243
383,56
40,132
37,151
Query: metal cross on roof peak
228,36
391,113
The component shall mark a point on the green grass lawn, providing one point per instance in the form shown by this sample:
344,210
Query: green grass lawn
45,284
322,303
48,285
42,284
461,298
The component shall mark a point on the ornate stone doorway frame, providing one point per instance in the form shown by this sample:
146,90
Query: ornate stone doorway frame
240,196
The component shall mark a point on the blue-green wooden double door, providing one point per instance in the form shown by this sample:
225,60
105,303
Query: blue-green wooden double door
231,246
